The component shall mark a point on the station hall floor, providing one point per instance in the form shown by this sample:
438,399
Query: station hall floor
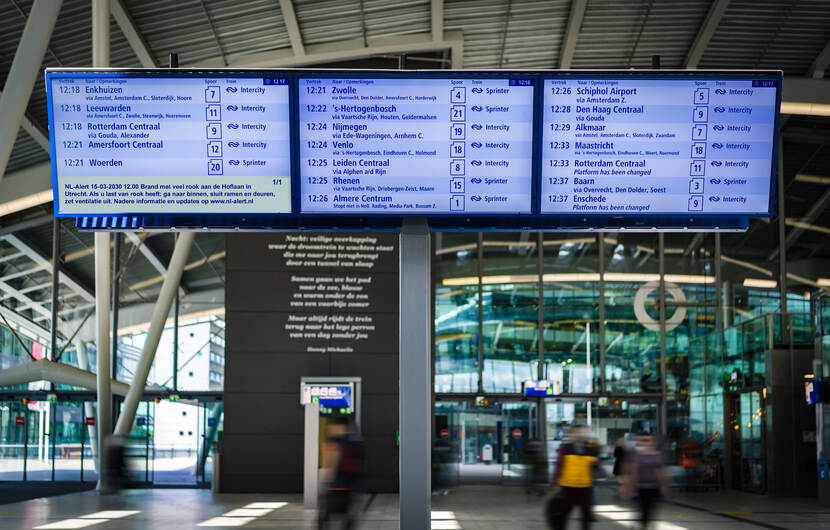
468,508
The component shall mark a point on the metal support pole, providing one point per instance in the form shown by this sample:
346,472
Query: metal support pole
116,301
102,329
176,343
101,57
415,369
782,230
601,266
540,264
718,284
100,33
661,259
480,312
89,410
24,72
311,454
160,312
540,368
56,271
25,442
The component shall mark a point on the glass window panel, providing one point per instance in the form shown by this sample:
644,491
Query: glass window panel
456,312
201,355
510,301
69,428
714,364
571,312
714,426
40,416
632,350
90,463
12,440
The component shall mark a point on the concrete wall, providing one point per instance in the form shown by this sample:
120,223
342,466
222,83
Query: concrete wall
269,279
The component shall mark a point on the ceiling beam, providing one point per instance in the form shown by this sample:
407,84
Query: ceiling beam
806,135
151,256
10,257
36,306
705,33
566,51
289,17
32,222
28,327
820,63
41,260
34,130
345,50
22,273
694,244
24,72
436,11
132,34
815,210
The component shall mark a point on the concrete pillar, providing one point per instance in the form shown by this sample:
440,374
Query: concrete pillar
415,375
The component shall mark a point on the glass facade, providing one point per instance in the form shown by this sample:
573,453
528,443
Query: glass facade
43,439
583,311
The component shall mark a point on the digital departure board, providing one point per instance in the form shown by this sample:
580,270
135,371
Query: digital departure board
170,144
644,146
425,145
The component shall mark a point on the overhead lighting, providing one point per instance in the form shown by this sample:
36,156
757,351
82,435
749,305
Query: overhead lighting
456,248
805,109
806,226
576,277
746,264
761,284
823,282
815,179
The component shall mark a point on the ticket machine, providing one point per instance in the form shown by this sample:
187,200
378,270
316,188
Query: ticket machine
322,398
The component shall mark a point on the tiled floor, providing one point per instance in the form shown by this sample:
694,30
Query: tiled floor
468,508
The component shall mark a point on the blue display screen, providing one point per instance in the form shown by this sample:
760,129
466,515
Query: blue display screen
426,145
336,149
542,388
629,146
174,144
328,395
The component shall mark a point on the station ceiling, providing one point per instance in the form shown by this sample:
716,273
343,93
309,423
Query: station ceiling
792,35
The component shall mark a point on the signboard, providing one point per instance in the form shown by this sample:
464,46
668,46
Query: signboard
404,145
542,388
646,145
18,420
327,395
170,143
90,421
444,434
350,149
517,433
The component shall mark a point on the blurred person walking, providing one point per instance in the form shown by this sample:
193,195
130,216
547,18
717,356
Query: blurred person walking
536,467
645,476
576,463
342,473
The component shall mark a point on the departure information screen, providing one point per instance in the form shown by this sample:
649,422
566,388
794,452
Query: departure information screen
631,146
170,145
375,145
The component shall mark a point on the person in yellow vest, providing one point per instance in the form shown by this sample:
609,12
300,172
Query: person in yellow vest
574,473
